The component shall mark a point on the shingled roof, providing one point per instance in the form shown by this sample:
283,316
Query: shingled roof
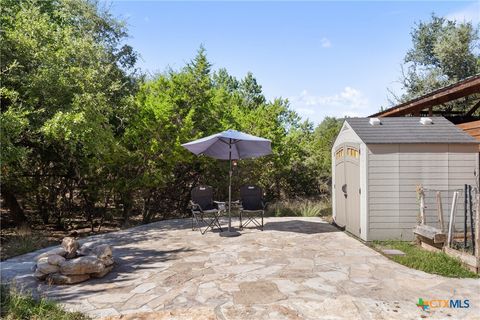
409,130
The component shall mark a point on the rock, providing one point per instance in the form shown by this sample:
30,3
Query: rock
42,260
71,246
57,251
55,259
57,278
47,268
101,274
40,275
82,265
108,261
86,249
103,251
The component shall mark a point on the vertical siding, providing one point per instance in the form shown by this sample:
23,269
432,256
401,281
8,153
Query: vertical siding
395,170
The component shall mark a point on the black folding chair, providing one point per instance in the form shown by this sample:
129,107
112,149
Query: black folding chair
251,205
205,211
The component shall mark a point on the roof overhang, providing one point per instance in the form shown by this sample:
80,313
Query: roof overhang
449,93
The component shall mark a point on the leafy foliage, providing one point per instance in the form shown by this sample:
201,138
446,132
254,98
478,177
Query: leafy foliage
17,306
84,135
443,52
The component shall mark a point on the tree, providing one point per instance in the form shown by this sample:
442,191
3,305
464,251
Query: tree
443,52
66,86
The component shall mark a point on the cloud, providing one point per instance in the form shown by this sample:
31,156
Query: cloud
146,19
350,102
326,43
469,13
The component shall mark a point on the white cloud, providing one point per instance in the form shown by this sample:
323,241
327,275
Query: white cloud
326,43
469,13
350,102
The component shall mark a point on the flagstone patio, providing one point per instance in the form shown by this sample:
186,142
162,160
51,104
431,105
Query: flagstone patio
298,268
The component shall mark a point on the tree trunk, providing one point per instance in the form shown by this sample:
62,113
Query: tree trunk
127,202
12,204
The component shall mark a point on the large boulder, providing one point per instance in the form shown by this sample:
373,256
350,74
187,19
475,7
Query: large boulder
55,259
103,251
108,261
46,268
57,251
57,278
103,273
39,275
71,246
82,265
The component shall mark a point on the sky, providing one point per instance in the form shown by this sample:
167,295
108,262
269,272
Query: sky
328,58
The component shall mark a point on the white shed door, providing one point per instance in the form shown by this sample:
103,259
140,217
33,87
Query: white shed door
347,187
340,212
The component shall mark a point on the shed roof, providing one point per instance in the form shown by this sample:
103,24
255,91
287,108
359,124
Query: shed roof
409,130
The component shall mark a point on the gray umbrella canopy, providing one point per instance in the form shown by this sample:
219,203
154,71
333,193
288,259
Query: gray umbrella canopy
230,145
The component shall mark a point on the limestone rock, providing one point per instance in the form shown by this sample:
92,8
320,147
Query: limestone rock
71,246
103,251
82,265
108,261
42,260
46,268
103,273
86,248
39,275
57,278
55,259
57,251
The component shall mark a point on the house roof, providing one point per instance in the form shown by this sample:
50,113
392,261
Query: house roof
409,130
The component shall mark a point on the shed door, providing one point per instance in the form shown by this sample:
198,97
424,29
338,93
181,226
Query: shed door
347,187
340,217
352,197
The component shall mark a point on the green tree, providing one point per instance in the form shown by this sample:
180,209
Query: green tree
67,84
443,53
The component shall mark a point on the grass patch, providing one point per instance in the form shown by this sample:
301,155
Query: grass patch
18,306
300,208
421,259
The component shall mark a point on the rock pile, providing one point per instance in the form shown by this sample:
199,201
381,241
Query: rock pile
71,263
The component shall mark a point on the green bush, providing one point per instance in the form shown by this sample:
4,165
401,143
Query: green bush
14,305
300,208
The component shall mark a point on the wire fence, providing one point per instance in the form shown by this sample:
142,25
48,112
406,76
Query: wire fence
451,211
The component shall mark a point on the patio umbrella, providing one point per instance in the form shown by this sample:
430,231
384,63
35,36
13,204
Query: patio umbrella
230,145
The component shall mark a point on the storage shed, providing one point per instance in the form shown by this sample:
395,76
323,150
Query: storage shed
377,163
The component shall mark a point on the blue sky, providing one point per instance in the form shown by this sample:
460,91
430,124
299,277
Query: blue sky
327,58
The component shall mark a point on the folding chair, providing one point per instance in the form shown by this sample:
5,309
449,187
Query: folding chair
204,210
251,205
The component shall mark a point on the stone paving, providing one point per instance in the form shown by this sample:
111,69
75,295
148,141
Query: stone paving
298,268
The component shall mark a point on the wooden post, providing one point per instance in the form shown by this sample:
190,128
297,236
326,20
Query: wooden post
477,225
472,227
421,194
451,222
440,211
465,216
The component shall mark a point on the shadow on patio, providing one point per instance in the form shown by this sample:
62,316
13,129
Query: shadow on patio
301,226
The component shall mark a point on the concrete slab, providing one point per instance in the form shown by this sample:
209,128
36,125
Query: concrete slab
393,252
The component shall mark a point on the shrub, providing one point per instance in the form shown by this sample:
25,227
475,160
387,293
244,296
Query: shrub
14,305
300,208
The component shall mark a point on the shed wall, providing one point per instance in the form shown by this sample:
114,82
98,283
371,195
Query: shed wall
395,170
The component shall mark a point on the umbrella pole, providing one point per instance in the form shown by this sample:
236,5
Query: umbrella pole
230,232
230,185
